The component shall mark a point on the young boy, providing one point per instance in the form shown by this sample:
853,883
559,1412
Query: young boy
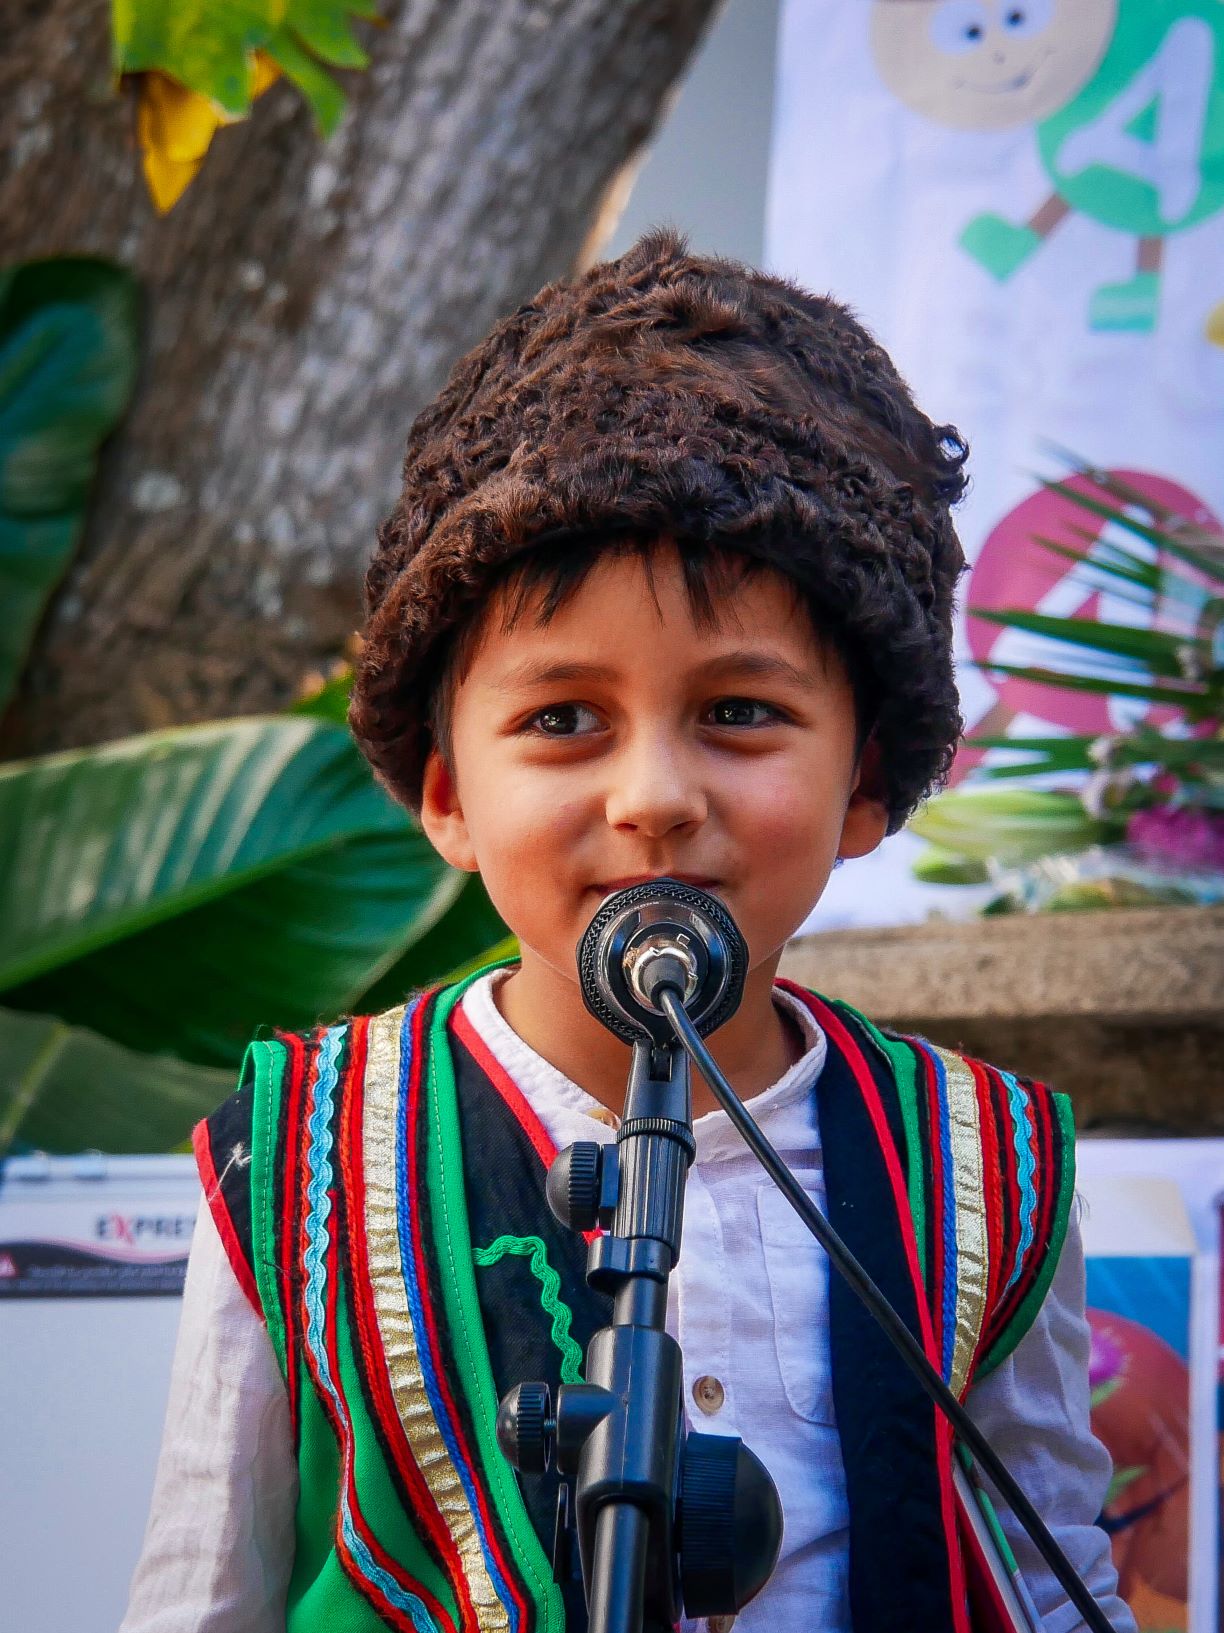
668,592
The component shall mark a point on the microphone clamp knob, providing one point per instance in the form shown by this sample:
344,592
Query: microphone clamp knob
525,1427
582,1185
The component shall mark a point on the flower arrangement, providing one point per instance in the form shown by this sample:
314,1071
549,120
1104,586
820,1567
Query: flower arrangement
1122,817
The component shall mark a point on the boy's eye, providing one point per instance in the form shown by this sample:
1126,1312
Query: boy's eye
564,720
741,711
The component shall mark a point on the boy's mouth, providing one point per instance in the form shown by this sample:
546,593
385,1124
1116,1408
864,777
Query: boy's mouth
699,881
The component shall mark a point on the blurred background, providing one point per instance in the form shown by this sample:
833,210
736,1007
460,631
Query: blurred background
242,246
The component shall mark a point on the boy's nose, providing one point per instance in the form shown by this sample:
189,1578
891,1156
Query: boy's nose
654,792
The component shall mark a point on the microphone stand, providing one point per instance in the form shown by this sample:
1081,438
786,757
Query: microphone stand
668,1522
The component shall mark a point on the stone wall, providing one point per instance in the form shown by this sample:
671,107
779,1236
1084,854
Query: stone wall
1124,1010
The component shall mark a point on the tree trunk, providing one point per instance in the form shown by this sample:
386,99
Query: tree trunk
302,301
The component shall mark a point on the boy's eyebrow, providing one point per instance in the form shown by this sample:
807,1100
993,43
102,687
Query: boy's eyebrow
755,664
537,673
742,661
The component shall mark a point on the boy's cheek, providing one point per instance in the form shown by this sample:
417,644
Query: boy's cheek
800,809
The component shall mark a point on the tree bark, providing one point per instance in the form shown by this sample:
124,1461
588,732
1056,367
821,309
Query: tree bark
302,301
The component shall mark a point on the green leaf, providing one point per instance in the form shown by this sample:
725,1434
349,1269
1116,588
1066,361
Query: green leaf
69,1090
295,950
937,867
329,702
174,891
1148,582
1035,744
1121,1479
1192,702
1062,759
209,46
469,933
68,353
1144,576
1006,825
1063,754
325,97
106,841
1209,565
1159,650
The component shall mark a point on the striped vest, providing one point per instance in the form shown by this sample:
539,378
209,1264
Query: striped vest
379,1188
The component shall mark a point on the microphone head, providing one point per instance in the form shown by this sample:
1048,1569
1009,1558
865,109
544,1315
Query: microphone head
661,931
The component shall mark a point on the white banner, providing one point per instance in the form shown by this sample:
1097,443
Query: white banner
1024,201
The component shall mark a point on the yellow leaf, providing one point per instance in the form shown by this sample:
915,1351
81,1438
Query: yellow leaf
175,126
267,73
1215,324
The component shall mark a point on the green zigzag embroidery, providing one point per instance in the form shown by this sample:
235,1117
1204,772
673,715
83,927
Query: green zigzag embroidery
550,1295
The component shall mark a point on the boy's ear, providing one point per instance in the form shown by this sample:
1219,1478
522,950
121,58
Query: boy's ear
442,814
866,822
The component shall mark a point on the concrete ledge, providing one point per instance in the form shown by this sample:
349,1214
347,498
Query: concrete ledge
1124,1010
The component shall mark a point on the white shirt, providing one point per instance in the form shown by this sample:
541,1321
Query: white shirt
750,1290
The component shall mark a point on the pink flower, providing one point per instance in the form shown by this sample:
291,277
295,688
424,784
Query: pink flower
1189,837
1106,1358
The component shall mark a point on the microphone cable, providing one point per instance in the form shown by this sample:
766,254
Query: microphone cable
670,1000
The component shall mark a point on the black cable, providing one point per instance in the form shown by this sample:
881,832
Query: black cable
671,1002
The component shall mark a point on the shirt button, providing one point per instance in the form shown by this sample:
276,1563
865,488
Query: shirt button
721,1624
709,1395
607,1117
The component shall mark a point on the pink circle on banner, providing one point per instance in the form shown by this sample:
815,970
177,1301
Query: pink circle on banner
1013,570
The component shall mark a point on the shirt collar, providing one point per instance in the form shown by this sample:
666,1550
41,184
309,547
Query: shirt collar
786,1110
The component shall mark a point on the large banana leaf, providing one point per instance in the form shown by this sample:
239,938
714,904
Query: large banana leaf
470,930
67,362
173,891
65,1089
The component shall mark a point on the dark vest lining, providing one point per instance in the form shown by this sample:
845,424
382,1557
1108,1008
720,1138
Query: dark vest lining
899,1576
505,1177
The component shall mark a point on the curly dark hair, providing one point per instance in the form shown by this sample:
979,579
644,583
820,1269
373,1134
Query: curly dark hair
671,395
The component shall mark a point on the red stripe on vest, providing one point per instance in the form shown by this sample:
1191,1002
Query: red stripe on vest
516,1103
993,1186
509,1574
861,1071
291,1224
341,1427
505,1085
352,1167
202,1147
936,1124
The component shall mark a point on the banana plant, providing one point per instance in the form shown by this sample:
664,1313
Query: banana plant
171,892
1161,789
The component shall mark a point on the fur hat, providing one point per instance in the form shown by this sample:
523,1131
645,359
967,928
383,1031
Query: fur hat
669,394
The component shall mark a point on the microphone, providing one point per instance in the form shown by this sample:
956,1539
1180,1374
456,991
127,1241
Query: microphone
661,934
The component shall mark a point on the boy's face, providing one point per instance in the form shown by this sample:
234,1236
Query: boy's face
622,741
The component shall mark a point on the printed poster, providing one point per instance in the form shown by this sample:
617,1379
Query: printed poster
1024,200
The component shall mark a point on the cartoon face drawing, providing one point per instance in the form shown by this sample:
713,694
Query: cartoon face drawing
989,64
